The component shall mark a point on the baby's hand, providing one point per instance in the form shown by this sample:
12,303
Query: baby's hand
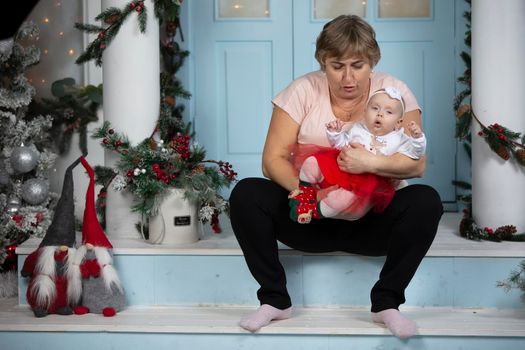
415,130
334,125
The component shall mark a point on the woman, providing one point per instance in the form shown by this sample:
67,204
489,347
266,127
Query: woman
346,51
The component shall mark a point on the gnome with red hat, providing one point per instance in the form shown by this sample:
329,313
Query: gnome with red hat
49,266
102,292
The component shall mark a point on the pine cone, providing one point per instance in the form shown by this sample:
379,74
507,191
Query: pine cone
198,169
152,144
462,110
520,156
503,152
111,19
505,232
169,100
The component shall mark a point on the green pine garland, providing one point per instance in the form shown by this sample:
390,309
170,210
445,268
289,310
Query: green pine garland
503,141
114,17
164,10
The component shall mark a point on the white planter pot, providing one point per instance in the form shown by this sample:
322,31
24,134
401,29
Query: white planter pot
177,221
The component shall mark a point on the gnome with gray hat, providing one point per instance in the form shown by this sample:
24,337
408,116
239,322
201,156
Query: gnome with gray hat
50,264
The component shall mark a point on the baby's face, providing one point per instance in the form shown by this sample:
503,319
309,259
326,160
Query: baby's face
383,114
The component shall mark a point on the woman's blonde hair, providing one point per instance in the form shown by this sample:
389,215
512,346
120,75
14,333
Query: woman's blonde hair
346,36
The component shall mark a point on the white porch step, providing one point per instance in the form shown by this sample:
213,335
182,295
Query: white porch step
165,327
447,243
307,321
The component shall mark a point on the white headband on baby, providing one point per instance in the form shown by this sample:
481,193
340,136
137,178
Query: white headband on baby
393,93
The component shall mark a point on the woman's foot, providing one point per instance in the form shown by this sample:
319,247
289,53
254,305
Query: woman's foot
263,316
400,326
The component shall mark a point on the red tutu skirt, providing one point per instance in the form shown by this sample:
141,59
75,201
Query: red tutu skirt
371,190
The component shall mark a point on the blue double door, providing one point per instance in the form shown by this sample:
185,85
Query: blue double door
239,63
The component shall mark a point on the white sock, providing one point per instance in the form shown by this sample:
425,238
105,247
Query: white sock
263,316
400,326
310,171
326,210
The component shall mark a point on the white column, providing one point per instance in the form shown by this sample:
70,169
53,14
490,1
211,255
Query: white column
131,71
498,96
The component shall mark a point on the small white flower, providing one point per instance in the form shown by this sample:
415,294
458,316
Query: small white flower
136,172
119,183
143,171
206,213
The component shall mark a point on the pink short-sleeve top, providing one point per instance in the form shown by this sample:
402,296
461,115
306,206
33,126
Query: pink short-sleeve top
307,101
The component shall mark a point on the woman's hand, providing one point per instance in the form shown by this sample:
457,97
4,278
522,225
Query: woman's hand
355,159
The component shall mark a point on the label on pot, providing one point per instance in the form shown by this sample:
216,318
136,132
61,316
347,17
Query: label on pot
182,220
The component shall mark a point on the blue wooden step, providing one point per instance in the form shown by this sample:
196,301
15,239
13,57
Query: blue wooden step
455,273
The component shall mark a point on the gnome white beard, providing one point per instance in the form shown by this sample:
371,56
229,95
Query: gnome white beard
107,271
43,287
74,278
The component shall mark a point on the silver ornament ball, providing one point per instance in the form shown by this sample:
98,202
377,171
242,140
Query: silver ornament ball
24,159
35,191
13,205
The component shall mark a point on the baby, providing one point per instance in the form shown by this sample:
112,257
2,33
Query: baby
351,196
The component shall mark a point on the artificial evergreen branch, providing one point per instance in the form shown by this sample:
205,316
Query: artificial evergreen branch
515,280
114,17
72,109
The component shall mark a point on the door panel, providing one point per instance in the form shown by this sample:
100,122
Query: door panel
240,64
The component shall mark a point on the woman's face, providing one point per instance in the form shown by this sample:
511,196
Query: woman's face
348,78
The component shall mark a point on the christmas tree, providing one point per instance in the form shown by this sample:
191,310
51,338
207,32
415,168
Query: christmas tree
25,200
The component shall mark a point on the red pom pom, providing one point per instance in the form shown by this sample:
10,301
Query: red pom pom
84,271
80,310
108,312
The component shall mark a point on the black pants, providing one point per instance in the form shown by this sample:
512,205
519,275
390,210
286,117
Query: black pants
403,232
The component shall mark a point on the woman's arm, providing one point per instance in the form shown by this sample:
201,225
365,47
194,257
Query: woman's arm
357,160
282,134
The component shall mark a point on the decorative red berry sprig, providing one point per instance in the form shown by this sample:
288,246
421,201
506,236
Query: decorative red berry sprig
227,170
181,145
501,140
137,5
214,222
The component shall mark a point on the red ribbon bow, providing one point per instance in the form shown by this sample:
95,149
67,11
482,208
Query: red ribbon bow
90,268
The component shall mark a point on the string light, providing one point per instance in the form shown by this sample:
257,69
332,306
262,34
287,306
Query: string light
46,51
71,52
45,20
61,33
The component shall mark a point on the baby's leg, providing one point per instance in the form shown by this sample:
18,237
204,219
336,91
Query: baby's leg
310,171
335,202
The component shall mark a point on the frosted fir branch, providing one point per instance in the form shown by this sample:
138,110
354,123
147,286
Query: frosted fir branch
11,99
27,30
7,119
47,161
